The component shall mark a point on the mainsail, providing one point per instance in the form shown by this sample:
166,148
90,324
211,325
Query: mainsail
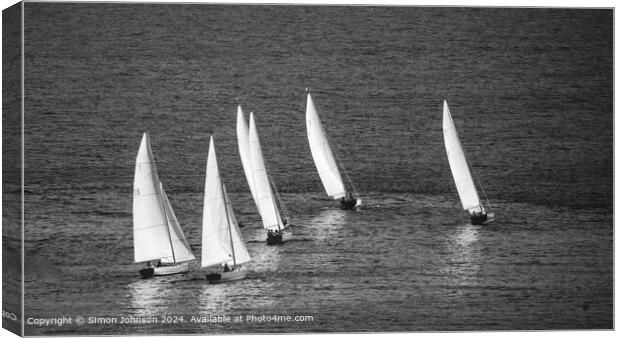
244,151
154,235
264,196
322,153
458,165
221,241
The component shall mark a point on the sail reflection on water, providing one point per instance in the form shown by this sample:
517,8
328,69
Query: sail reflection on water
327,223
464,257
235,298
266,260
153,297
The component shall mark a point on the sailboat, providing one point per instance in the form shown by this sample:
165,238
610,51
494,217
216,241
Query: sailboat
223,249
326,162
278,229
460,172
158,238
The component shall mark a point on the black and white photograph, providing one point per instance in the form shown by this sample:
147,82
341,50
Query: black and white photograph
267,168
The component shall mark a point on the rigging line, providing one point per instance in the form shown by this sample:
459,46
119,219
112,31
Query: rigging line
338,160
486,198
476,176
282,206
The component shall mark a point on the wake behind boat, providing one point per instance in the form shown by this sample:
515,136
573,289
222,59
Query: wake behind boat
460,172
325,161
158,238
223,250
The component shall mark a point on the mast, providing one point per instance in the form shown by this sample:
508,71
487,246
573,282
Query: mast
232,246
182,251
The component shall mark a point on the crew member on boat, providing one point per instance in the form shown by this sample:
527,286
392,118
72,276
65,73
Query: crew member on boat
348,200
349,196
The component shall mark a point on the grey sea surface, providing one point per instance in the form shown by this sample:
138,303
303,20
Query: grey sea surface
530,91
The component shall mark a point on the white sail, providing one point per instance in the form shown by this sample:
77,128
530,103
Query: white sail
181,249
322,153
458,164
244,151
214,219
150,229
265,200
217,247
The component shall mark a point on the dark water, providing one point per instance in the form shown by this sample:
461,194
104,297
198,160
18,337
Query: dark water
530,91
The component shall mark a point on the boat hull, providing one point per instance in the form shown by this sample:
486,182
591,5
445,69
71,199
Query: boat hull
481,219
348,204
279,237
274,239
165,270
223,277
